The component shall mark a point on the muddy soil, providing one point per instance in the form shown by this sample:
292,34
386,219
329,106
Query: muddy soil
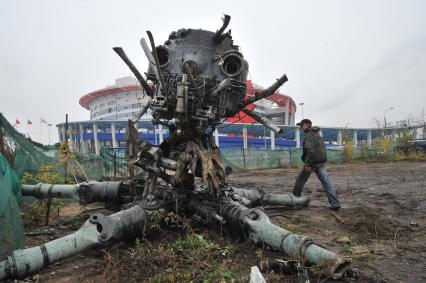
382,228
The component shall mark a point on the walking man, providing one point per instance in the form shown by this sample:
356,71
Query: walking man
314,156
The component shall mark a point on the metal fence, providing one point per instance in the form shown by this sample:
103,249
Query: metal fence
114,162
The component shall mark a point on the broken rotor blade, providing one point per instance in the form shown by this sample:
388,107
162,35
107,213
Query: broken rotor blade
136,117
264,121
97,230
135,71
157,63
266,92
149,56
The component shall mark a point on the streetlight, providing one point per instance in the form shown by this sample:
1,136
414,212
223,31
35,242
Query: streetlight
384,116
49,125
301,105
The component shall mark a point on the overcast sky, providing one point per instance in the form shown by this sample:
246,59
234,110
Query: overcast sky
347,61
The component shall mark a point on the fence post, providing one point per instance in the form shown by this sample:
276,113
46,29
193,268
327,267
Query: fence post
113,135
245,144
394,136
83,145
339,137
355,138
297,133
95,138
369,138
272,140
61,137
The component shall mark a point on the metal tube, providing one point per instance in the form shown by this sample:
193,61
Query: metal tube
256,226
264,121
95,231
160,77
85,193
294,245
256,196
149,56
288,200
51,191
266,92
136,117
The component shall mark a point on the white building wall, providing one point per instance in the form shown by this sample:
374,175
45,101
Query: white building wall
119,106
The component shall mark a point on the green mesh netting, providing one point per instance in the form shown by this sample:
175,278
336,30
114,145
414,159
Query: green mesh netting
11,229
114,163
91,164
259,158
30,156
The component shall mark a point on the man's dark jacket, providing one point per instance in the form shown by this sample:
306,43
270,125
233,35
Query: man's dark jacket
313,147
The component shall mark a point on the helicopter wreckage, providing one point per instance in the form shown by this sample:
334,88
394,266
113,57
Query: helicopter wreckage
198,80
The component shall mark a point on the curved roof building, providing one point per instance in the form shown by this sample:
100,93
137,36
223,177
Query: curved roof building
125,97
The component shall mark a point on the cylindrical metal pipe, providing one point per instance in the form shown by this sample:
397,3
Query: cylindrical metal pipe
97,229
256,196
108,192
294,245
257,227
264,121
51,191
266,92
288,200
24,262
85,193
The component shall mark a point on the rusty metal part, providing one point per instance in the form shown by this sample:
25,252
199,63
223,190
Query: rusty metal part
266,92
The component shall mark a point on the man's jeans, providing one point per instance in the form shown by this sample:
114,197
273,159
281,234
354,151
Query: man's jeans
329,189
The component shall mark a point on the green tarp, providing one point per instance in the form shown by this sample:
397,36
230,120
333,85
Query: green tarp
11,229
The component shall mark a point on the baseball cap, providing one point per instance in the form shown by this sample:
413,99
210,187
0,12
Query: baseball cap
304,121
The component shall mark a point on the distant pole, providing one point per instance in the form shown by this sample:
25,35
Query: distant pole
49,125
264,136
384,118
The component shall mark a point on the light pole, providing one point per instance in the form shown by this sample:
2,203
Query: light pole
384,116
49,125
301,105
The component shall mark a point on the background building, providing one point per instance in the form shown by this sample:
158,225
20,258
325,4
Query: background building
111,107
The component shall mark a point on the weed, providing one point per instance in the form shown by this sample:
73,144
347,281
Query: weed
34,213
293,228
70,219
347,249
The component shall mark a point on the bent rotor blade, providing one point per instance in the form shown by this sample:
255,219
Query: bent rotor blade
135,71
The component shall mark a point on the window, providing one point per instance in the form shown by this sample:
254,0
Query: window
109,110
101,105
111,102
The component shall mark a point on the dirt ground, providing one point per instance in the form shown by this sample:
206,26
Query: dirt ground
381,228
